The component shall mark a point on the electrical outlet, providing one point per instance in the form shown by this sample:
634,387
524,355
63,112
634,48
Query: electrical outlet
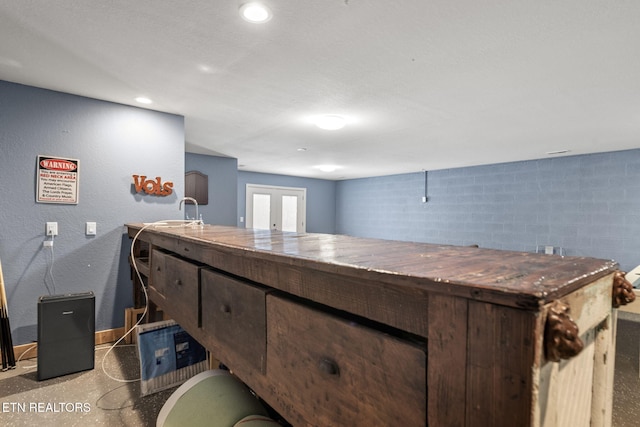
51,229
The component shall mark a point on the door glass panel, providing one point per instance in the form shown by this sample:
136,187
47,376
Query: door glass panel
289,213
262,211
276,208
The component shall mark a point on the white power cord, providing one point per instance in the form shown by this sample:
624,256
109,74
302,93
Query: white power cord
49,272
144,290
25,352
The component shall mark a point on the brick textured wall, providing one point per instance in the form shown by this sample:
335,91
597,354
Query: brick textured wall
589,205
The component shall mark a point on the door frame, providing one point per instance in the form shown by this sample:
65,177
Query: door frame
277,192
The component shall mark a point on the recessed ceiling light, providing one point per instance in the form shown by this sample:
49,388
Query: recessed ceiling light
143,100
327,168
255,12
302,149
205,69
330,122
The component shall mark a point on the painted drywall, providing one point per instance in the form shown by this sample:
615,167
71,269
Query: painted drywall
321,197
112,142
588,205
222,174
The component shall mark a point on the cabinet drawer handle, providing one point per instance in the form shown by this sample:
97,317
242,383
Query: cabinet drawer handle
178,282
225,308
329,366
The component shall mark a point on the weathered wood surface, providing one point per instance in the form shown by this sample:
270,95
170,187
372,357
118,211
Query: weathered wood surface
447,361
518,279
179,284
321,366
480,314
579,391
233,319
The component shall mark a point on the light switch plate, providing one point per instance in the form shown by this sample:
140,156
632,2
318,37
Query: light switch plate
91,229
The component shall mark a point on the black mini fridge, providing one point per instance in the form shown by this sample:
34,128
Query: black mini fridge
66,334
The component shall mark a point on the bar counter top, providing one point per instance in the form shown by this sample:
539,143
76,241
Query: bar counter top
519,279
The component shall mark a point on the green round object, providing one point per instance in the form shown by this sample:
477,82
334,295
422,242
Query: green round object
211,398
256,421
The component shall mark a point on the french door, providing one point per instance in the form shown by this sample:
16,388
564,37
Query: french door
276,208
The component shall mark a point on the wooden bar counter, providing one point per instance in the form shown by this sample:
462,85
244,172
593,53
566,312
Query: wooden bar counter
333,330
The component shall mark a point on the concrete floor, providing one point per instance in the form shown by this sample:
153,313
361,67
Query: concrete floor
626,387
94,399
90,398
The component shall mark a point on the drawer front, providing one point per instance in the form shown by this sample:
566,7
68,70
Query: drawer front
234,320
179,282
326,371
157,274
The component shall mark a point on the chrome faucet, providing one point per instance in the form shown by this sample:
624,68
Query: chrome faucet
195,202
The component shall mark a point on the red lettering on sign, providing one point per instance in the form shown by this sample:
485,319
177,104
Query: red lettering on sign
58,165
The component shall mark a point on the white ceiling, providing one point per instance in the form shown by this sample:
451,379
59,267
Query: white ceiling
427,84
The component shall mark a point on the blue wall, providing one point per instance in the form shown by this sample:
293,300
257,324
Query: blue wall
223,190
112,142
321,197
589,205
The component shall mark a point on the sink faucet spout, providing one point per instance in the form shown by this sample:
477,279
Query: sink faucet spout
194,201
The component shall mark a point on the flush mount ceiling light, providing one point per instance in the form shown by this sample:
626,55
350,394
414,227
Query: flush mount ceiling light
255,12
330,122
143,100
327,168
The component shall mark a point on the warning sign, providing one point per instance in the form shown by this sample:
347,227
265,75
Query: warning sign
57,180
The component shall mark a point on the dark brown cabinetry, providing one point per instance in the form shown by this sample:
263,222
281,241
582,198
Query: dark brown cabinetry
196,185
336,331
325,365
234,320
177,282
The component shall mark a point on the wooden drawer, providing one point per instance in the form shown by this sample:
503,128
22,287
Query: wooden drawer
234,320
158,271
326,371
178,281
